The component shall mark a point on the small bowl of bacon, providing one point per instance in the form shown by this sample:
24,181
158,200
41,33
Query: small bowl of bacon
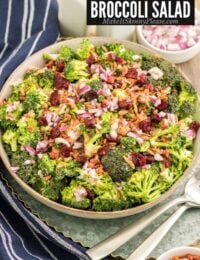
177,43
181,253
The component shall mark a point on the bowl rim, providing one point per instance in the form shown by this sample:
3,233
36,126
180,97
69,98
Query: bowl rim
73,211
178,250
165,52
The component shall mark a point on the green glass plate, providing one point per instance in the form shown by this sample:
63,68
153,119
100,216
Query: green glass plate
89,232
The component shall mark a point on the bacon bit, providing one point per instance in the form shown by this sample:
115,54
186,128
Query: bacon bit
65,150
54,154
125,104
60,65
103,150
167,162
110,79
50,64
54,98
55,132
163,105
194,126
80,156
43,121
145,125
94,163
60,82
140,159
47,178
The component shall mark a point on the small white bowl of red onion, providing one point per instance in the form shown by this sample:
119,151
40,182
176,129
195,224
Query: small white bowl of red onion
177,43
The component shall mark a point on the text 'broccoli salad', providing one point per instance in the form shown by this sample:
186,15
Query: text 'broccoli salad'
100,128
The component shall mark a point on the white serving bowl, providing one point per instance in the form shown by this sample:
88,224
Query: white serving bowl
173,56
37,60
179,251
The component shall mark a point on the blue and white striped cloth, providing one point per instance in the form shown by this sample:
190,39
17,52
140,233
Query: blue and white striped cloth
25,27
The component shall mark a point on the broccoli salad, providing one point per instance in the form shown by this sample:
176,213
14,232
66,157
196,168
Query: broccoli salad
100,128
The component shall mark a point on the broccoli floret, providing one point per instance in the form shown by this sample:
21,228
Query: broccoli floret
34,101
10,137
27,173
115,163
92,140
171,130
128,143
97,183
50,56
28,131
144,186
46,79
83,51
182,158
173,101
46,165
67,169
75,196
75,70
66,53
30,81
120,50
50,188
187,100
95,83
171,76
170,175
91,144
10,114
111,200
175,143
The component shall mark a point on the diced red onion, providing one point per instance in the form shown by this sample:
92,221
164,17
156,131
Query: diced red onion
63,128
61,140
30,150
96,111
171,118
73,135
157,103
12,107
29,162
80,193
158,157
137,137
14,168
156,73
83,88
162,114
41,145
190,133
85,115
77,145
